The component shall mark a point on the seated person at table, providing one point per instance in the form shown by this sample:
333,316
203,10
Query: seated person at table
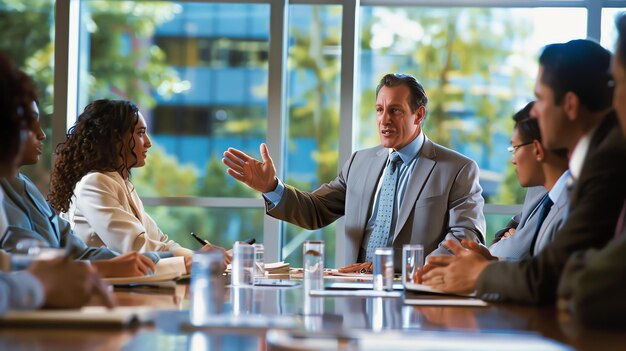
574,93
534,165
30,217
54,283
91,182
408,190
592,285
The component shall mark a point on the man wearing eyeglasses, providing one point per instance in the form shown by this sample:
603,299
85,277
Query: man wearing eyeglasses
535,166
574,107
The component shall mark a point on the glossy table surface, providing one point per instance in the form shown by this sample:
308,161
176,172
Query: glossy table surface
349,323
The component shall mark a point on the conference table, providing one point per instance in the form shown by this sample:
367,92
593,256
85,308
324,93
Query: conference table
271,318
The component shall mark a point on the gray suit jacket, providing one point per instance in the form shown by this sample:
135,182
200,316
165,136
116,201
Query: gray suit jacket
532,198
513,247
517,247
443,201
553,223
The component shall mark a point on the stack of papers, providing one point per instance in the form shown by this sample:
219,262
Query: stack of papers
277,270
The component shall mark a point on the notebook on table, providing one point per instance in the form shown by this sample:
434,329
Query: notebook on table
126,316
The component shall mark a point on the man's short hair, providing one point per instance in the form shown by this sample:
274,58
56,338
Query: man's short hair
620,23
418,95
579,66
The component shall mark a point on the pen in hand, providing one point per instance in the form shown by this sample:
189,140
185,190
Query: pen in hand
200,240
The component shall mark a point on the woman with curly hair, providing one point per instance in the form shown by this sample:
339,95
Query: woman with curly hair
90,181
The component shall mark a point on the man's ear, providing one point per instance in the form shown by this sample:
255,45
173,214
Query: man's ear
571,105
420,113
540,152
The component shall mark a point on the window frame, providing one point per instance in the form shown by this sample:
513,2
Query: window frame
67,41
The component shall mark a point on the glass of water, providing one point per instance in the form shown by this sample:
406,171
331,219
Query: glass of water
206,287
383,268
242,264
412,262
313,256
259,260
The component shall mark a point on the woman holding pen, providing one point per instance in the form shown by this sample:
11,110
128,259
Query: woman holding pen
91,182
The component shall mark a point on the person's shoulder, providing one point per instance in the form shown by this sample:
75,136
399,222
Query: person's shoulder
100,178
442,153
370,150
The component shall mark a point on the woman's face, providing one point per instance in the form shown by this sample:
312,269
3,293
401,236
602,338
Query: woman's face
527,167
142,143
35,136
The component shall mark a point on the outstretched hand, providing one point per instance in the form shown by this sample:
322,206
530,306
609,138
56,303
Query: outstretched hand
365,267
259,175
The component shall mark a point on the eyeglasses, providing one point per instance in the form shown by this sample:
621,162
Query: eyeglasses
514,148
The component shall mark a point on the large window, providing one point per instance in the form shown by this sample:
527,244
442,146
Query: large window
198,73
209,75
313,75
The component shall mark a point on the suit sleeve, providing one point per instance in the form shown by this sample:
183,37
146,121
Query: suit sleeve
465,209
70,241
20,291
98,198
313,210
591,222
593,283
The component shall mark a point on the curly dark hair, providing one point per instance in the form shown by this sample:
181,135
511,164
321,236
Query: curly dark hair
17,93
98,142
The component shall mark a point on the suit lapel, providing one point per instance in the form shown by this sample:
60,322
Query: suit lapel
373,170
424,167
554,213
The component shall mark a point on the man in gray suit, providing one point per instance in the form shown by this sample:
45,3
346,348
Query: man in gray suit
408,190
535,166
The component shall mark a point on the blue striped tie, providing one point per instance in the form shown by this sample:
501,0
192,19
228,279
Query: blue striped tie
386,199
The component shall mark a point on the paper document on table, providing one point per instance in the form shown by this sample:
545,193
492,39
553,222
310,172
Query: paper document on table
421,288
166,280
118,316
277,268
445,301
358,286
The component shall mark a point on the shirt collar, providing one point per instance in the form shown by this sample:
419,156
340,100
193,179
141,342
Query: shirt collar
579,154
412,149
559,186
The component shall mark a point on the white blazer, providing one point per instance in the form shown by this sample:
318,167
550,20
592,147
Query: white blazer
106,211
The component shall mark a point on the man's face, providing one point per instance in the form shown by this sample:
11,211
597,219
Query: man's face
397,126
553,121
619,92
527,168
33,145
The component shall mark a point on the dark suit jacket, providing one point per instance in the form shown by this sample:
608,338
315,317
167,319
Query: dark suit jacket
443,201
593,281
594,209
